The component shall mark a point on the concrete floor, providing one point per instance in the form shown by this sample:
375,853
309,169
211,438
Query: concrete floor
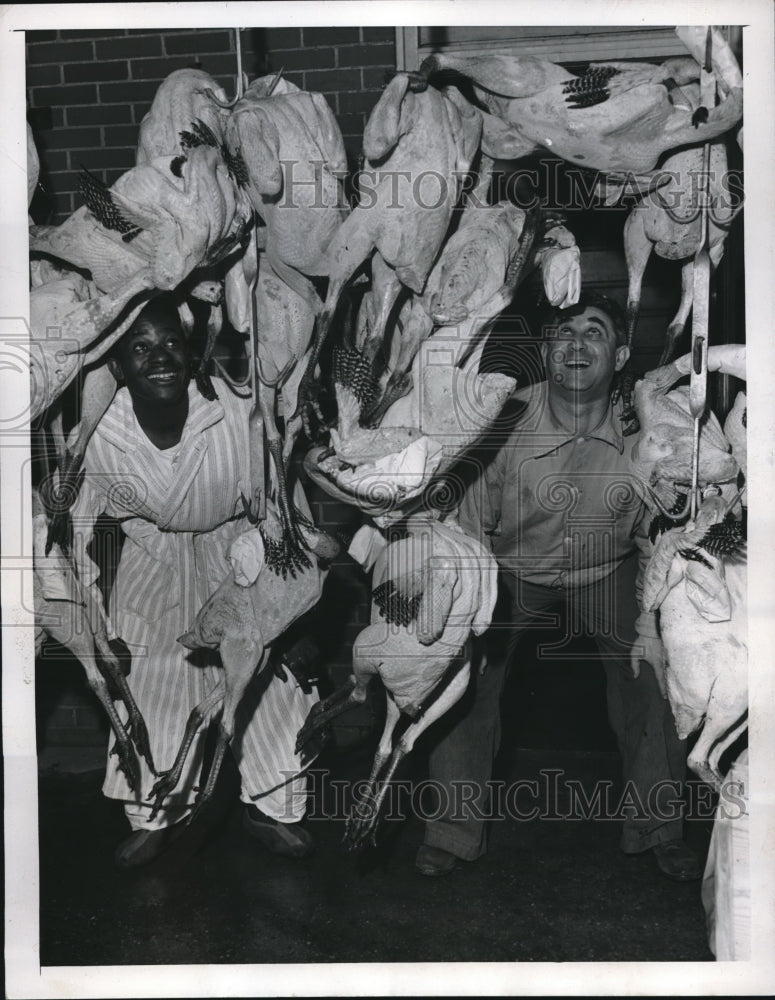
545,891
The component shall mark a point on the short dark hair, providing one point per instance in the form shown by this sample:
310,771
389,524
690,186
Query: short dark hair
592,299
162,306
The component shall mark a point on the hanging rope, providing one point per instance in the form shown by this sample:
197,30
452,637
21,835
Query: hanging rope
240,89
698,384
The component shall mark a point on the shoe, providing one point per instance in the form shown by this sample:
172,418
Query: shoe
677,860
143,846
434,861
289,839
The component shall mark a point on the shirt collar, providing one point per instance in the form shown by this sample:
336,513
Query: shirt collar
119,425
539,420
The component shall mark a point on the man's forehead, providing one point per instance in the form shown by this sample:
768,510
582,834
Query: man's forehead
592,314
153,324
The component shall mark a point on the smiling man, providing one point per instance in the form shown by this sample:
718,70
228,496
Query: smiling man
171,467
559,510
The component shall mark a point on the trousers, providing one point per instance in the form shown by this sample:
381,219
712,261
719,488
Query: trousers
650,750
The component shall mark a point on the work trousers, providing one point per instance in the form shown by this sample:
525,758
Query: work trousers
653,757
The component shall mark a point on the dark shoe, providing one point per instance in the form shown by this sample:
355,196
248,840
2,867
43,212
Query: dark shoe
143,846
289,839
434,861
677,860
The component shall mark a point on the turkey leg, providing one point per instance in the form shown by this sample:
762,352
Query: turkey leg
201,714
241,656
361,830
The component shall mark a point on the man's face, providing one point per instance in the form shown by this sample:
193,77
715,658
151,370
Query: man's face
153,360
581,353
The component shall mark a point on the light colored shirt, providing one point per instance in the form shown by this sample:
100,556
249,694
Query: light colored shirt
561,509
180,509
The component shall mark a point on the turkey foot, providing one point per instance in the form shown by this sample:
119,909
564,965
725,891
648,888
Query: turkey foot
205,794
394,390
127,762
162,788
116,678
361,827
308,406
138,731
294,545
169,779
60,498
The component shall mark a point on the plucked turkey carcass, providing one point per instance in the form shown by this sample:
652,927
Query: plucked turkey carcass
294,161
90,239
421,435
182,101
73,616
153,228
418,148
67,321
474,279
473,265
663,454
431,591
187,112
285,322
284,317
168,216
618,116
250,609
447,404
696,579
668,221
33,166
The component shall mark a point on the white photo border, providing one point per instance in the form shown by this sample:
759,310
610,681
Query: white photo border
24,976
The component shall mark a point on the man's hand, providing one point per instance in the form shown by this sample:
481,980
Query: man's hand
726,358
653,652
301,659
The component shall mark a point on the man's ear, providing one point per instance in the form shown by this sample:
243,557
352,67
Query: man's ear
115,369
622,357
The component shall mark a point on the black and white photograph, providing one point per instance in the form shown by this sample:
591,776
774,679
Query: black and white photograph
386,433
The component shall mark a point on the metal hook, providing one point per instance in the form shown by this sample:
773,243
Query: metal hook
708,66
274,83
281,376
676,517
233,383
240,77
731,505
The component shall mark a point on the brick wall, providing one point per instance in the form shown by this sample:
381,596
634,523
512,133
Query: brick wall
87,94
88,90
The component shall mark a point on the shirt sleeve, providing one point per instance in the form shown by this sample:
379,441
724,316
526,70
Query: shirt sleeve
89,504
